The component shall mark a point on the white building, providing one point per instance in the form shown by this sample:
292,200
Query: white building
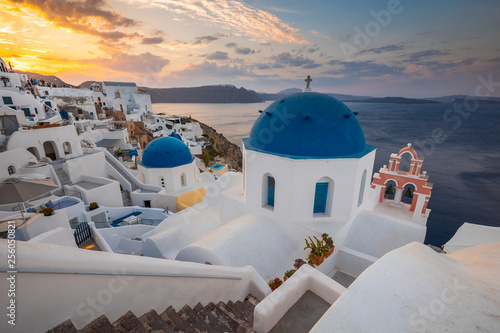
305,169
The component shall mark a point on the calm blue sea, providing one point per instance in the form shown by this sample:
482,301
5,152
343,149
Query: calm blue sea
461,151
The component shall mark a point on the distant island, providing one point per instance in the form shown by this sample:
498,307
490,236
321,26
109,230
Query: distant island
228,93
394,100
204,94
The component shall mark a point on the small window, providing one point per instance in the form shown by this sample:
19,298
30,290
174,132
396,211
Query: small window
36,110
7,100
362,189
320,196
183,179
67,148
27,112
271,188
11,169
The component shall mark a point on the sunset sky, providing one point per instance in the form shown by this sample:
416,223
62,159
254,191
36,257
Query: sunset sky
419,48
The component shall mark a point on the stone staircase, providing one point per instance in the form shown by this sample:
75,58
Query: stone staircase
63,177
3,145
230,317
112,160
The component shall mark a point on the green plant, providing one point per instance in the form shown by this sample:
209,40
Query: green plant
288,274
273,284
327,240
317,247
47,211
93,205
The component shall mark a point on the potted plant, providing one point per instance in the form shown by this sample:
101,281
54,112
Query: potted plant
288,274
93,205
273,284
47,211
329,243
320,249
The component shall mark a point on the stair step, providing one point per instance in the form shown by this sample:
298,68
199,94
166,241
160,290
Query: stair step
230,317
223,317
176,322
99,325
212,321
65,327
230,310
153,322
129,323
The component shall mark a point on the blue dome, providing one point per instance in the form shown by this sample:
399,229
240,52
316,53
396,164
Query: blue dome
175,135
166,152
308,125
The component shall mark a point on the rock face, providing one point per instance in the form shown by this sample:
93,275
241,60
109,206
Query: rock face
205,94
230,153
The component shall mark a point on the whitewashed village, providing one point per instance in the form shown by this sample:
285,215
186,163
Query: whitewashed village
119,225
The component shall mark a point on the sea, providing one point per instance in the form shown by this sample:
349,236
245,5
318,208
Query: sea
460,145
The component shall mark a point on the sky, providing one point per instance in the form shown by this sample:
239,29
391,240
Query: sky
410,48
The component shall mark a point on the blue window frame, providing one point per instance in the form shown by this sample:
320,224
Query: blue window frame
320,198
270,191
7,100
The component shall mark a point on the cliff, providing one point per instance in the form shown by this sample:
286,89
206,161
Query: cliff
222,150
205,94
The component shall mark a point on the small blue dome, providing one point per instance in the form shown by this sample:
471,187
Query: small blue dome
307,125
166,152
175,135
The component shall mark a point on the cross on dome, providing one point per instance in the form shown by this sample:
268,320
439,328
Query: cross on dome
308,80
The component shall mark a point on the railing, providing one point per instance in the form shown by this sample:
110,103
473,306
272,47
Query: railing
82,233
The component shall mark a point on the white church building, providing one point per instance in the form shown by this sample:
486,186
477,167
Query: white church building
306,169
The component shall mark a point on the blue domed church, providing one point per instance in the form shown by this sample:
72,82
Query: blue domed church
306,171
167,162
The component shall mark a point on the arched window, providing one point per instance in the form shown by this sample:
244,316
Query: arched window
320,197
323,197
67,148
405,163
362,189
268,191
183,179
11,169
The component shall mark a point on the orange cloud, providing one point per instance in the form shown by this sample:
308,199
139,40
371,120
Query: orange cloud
235,16
87,17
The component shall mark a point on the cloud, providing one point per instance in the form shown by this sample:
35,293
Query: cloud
130,63
244,50
317,33
218,55
283,10
204,40
231,45
89,17
286,59
211,69
312,49
355,70
423,55
386,48
152,40
234,16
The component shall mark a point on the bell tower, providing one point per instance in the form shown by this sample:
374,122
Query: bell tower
392,186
